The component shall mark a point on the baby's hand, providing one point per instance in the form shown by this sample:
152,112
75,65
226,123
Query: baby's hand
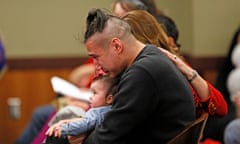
57,131
56,128
50,131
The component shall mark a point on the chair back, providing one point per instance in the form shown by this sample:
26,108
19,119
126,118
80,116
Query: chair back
192,134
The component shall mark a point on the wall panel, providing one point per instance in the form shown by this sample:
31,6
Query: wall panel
33,88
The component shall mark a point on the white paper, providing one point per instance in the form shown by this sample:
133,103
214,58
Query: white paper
66,88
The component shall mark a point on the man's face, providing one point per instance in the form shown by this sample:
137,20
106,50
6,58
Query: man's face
105,57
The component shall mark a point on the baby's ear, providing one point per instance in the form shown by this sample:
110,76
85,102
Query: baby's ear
109,99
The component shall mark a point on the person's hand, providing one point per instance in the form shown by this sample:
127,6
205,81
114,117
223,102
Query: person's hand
181,65
56,129
76,139
51,130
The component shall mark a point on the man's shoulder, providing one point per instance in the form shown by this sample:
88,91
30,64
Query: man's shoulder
151,56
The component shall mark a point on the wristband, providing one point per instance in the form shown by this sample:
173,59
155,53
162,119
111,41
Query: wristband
195,74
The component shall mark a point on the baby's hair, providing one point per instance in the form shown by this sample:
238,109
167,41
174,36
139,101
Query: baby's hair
111,83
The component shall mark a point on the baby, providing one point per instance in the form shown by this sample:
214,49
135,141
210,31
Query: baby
103,89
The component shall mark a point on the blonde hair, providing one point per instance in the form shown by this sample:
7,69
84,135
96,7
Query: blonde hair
147,29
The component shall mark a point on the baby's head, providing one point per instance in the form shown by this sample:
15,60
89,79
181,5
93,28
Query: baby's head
103,88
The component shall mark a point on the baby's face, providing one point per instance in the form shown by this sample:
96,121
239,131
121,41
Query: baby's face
98,97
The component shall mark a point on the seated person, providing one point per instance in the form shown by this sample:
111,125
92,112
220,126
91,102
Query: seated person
103,88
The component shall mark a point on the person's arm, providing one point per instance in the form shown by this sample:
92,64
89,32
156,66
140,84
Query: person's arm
79,139
203,89
197,82
215,105
208,95
86,123
55,129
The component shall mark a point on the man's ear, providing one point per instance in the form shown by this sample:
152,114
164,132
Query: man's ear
117,44
109,99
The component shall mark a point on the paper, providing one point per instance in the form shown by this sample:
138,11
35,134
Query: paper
66,88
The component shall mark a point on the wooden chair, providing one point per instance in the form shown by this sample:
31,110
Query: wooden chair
192,134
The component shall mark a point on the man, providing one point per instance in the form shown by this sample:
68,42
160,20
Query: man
153,102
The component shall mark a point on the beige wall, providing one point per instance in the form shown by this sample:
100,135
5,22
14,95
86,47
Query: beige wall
214,23
181,13
206,26
50,28
45,28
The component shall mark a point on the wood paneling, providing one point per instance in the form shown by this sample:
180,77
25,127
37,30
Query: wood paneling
33,88
208,67
29,80
44,63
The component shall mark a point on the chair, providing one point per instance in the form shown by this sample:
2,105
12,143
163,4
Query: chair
192,134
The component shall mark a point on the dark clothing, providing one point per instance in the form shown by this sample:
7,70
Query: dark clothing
56,140
153,104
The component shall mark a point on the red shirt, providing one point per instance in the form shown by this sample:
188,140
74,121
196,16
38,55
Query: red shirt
215,105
